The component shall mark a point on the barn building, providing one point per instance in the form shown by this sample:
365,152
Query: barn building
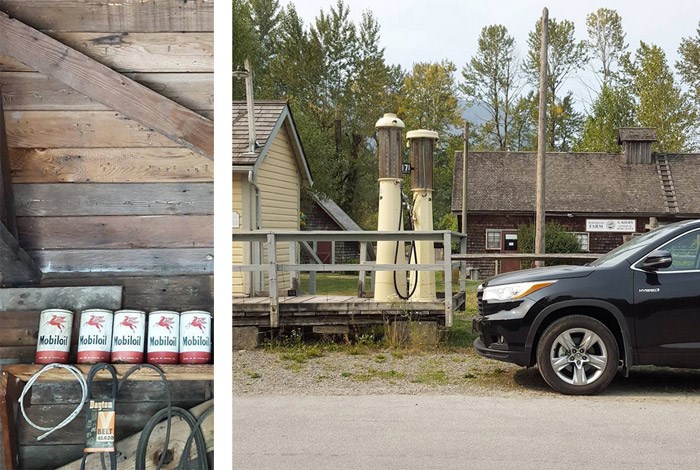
603,198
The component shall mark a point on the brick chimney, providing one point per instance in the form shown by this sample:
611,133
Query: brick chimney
636,144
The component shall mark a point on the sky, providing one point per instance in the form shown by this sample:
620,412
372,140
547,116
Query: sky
418,31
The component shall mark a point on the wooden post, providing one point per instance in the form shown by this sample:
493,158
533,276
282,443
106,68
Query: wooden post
10,390
447,242
463,241
272,280
312,274
294,259
541,141
465,173
362,274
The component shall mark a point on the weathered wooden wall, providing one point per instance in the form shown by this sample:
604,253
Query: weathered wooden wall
102,199
98,194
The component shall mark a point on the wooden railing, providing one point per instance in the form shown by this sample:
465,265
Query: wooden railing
273,267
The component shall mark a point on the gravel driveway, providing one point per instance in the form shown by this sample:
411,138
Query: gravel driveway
385,372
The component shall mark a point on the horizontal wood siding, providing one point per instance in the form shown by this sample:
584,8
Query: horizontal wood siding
238,278
50,200
113,16
89,129
116,232
101,199
86,165
280,187
100,196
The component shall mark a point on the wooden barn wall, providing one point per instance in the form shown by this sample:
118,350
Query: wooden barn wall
98,195
104,200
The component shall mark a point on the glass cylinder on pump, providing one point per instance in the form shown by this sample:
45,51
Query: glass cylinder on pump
389,152
422,144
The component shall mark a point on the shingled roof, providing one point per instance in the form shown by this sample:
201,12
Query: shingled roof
576,183
270,117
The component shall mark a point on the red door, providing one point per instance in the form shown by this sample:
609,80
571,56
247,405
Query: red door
509,244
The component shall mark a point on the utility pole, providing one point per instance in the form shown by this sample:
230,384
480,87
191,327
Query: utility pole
465,154
541,141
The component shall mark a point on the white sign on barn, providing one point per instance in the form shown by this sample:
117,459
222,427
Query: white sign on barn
611,225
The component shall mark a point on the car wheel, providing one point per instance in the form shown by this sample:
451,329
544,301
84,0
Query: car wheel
577,355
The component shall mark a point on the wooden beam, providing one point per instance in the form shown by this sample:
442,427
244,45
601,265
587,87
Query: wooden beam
172,372
16,267
103,84
33,91
72,298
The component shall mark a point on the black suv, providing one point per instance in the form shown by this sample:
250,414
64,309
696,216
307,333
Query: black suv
638,304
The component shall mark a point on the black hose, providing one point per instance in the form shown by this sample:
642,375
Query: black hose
190,420
193,435
412,252
168,397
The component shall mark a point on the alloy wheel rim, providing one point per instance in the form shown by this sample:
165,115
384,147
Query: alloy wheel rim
578,356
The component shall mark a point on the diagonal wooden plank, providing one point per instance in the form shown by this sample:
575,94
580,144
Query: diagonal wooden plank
103,84
16,267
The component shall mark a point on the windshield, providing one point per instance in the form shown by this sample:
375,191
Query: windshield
636,244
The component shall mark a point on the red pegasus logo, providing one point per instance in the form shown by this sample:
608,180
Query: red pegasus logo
57,321
96,321
130,322
166,322
199,322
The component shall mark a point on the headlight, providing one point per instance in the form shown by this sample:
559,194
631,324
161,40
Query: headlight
514,291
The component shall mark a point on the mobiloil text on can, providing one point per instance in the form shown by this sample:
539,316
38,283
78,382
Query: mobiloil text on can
95,339
195,337
55,327
163,336
128,337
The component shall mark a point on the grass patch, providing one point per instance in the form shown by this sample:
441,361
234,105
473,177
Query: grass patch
254,375
380,358
302,354
437,377
378,374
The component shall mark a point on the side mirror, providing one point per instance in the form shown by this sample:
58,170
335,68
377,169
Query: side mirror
657,259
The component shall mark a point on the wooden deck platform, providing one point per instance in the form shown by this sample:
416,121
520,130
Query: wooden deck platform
314,310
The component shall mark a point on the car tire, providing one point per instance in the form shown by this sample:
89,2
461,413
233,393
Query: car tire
577,355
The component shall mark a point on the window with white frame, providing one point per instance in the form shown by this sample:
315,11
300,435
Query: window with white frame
493,239
582,240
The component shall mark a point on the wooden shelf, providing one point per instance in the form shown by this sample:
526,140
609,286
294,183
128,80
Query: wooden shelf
175,372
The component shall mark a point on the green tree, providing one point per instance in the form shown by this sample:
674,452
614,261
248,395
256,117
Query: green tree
614,108
245,44
689,65
265,17
491,80
659,102
428,98
606,41
565,56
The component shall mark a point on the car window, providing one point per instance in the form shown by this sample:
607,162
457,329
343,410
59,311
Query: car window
635,244
684,251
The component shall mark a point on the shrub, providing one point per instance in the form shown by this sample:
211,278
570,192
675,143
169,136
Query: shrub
556,240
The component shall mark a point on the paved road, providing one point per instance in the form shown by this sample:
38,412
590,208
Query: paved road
465,432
